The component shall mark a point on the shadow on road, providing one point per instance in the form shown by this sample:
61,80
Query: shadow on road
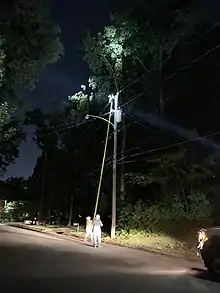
81,284
204,275
104,282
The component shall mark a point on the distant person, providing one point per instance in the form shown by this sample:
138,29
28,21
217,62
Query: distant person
97,231
88,228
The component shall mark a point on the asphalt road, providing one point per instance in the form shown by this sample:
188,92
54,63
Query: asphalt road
34,262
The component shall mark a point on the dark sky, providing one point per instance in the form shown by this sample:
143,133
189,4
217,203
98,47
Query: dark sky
65,77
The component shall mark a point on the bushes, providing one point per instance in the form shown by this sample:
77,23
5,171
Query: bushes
143,217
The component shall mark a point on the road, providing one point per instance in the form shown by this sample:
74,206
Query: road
35,262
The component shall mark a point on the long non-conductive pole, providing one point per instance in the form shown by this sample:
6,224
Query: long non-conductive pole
114,175
103,160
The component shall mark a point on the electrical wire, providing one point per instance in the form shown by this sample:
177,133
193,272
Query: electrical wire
67,127
168,77
119,161
110,157
94,119
172,145
191,42
193,62
204,33
108,160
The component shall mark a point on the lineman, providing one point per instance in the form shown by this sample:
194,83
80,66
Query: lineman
88,228
97,231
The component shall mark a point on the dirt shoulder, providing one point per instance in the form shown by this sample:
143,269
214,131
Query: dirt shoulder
155,243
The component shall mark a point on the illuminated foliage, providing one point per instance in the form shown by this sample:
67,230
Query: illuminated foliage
139,42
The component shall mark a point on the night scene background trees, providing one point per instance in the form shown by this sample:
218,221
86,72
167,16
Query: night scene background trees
163,59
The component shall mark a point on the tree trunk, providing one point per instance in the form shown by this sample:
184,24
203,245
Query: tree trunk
160,82
123,145
161,101
40,213
2,205
50,201
71,212
49,209
59,217
49,215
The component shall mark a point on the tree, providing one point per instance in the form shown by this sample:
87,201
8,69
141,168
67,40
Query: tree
60,151
176,175
28,42
47,140
14,189
12,135
140,42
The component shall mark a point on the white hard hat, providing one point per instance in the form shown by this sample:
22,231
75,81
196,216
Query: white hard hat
97,217
88,218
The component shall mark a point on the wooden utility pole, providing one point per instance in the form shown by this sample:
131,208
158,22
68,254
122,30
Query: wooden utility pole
117,119
123,145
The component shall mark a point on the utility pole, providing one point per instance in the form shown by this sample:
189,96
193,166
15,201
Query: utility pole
117,119
123,145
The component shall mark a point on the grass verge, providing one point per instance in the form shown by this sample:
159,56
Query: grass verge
154,242
151,242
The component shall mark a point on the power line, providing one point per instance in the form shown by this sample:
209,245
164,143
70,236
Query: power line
100,113
204,33
193,62
173,145
71,125
193,41
119,130
110,157
134,148
171,75
125,151
66,126
94,119
109,164
132,99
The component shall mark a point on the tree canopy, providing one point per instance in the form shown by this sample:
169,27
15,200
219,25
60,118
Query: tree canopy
29,41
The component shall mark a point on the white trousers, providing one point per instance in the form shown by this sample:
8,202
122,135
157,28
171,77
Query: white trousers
97,237
89,234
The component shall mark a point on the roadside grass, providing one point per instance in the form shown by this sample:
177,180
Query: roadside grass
153,242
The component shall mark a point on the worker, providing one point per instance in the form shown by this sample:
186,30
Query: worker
88,229
97,231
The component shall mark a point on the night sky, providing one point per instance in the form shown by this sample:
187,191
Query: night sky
65,77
